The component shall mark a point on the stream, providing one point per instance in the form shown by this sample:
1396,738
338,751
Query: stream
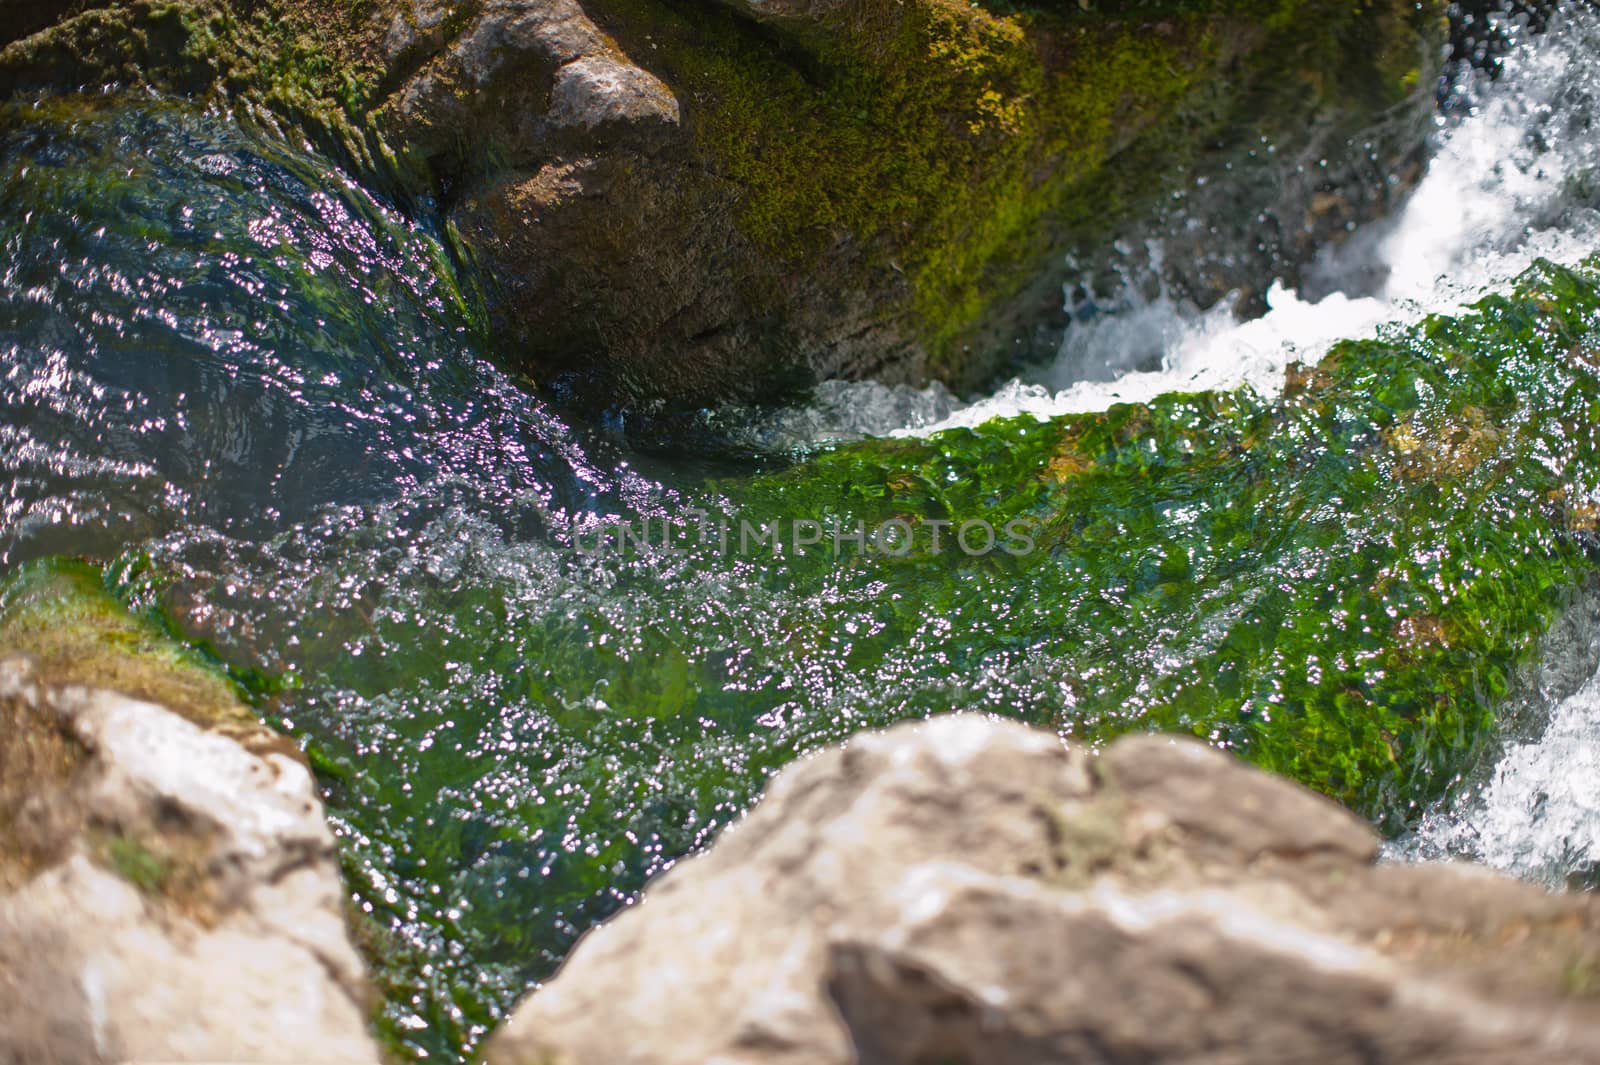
267,404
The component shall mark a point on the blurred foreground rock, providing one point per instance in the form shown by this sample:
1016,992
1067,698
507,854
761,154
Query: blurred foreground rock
967,890
168,889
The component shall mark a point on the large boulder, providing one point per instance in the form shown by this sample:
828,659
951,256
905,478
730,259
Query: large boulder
717,200
969,890
168,888
767,193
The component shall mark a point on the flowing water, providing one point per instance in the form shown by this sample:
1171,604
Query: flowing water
266,403
1515,177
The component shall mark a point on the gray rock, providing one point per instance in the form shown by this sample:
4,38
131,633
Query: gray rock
591,90
968,890
189,910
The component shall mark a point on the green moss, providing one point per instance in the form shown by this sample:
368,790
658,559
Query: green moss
1340,585
1580,978
138,864
926,128
960,147
63,617
291,65
61,614
171,865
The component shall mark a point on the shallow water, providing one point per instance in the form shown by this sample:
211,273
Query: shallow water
226,363
266,401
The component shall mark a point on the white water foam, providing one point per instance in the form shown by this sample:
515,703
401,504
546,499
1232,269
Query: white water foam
1512,181
1534,810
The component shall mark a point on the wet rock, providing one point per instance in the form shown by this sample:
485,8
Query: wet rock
889,190
168,888
721,201
970,890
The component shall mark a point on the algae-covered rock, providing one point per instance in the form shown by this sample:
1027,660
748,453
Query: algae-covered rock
716,200
1340,583
168,889
968,890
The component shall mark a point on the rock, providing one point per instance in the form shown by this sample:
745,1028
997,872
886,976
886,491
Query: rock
19,18
888,189
168,889
722,200
971,890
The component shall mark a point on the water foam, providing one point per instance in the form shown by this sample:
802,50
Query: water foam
1514,178
1534,810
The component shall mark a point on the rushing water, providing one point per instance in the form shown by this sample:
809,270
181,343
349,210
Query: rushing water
1515,177
264,400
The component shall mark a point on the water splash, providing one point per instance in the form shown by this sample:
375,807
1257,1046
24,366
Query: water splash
1533,810
1515,177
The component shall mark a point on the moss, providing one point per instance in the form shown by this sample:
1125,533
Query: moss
936,135
311,68
1340,584
960,146
173,866
1580,978
61,614
135,861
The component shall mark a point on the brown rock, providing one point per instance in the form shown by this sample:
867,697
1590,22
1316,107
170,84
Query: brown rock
719,201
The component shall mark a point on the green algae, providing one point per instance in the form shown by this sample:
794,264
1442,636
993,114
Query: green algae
1339,585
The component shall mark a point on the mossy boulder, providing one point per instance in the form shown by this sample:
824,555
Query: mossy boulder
707,200
890,189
